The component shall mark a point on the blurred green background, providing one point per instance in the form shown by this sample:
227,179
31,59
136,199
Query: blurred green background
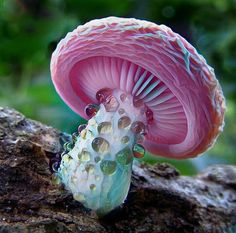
30,30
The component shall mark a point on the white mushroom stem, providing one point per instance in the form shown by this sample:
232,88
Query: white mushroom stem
97,170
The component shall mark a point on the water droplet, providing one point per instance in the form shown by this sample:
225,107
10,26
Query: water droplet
138,151
91,110
124,122
108,167
84,156
92,187
89,168
81,127
124,156
137,102
63,153
103,94
149,116
79,197
138,127
125,139
111,104
83,133
105,127
100,145
67,158
74,136
97,159
68,146
55,179
123,97
121,111
55,166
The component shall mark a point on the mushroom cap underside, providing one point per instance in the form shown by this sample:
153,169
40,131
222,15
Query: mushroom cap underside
152,63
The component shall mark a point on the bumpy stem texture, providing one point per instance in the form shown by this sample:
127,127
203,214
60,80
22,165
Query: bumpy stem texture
97,168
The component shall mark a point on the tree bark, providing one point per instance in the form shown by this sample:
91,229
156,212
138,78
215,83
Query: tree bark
160,200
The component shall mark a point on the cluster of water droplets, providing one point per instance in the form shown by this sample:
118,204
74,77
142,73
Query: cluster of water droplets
111,104
102,151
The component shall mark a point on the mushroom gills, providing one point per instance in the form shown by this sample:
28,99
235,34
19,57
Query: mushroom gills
97,169
169,125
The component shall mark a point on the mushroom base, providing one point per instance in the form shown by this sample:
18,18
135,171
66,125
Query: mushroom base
97,167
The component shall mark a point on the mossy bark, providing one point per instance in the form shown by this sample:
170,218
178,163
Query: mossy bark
160,200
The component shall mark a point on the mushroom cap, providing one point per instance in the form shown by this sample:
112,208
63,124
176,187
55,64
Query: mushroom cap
175,82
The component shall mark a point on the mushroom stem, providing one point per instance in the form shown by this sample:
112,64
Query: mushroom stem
97,168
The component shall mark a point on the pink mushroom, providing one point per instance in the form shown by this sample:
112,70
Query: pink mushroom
169,87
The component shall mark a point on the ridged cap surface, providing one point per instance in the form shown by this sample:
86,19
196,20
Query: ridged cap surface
188,114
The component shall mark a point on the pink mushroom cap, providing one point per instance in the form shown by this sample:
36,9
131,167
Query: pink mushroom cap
176,83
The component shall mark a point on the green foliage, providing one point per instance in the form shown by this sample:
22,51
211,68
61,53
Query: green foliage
30,30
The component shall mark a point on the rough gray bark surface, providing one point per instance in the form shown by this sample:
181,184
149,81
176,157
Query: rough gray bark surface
160,200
